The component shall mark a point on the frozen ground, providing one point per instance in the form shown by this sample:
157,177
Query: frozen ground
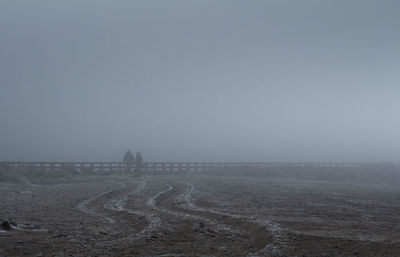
233,213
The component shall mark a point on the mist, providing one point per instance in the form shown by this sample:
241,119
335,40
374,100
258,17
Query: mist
200,80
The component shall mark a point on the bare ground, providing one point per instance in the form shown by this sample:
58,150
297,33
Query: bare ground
197,215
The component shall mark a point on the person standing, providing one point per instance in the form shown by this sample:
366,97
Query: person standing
129,159
139,164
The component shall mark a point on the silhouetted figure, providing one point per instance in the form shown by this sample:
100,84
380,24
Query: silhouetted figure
139,164
129,159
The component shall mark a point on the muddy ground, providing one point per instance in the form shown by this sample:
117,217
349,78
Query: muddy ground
221,213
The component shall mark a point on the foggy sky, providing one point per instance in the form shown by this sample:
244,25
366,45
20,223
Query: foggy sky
200,80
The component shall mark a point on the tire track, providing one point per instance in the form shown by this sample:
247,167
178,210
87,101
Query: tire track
278,234
119,205
84,205
153,221
219,226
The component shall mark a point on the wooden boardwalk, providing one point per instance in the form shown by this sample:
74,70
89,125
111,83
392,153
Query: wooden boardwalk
151,167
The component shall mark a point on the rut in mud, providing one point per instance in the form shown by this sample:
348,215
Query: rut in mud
122,215
165,212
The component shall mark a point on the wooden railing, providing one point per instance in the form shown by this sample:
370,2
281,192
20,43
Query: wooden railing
171,166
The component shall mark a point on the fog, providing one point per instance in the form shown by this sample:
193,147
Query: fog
200,80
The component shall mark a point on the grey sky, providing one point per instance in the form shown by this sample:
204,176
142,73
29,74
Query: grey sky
200,80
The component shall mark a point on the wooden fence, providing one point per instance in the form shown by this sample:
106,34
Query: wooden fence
151,167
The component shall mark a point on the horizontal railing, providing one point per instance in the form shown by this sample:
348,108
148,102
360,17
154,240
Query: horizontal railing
173,166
